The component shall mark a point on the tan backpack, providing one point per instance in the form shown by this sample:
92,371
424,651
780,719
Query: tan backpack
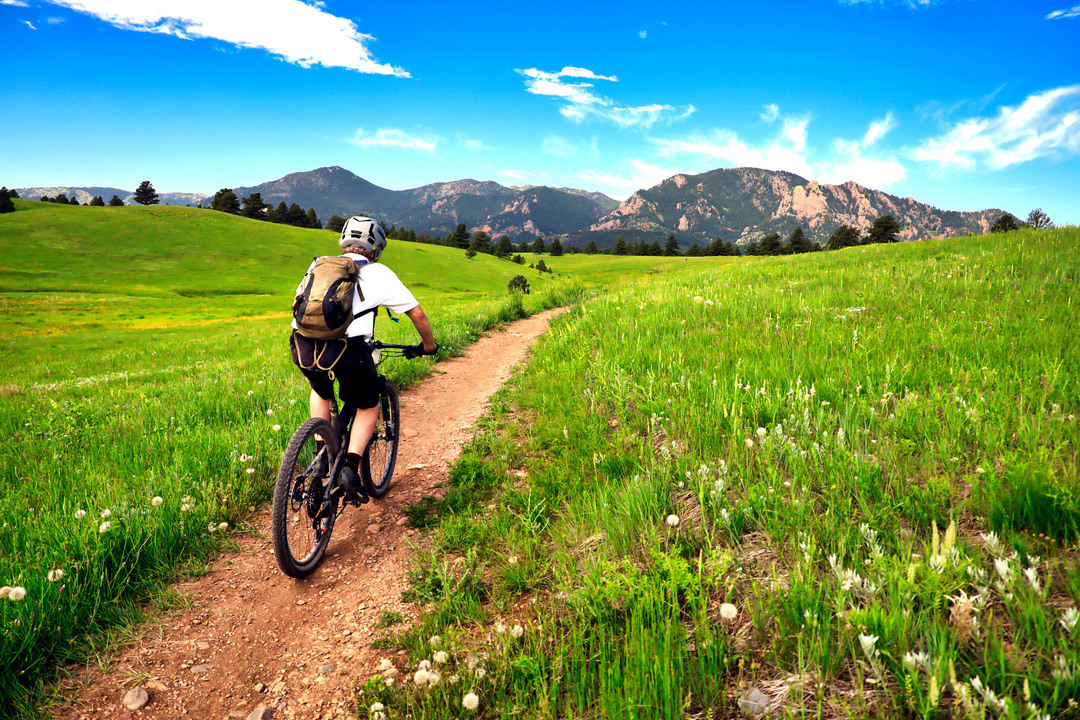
323,306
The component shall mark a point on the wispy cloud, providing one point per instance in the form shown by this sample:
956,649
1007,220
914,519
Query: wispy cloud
790,150
639,174
518,174
471,144
560,147
582,102
643,34
390,137
770,112
1062,14
1045,124
299,33
16,3
29,24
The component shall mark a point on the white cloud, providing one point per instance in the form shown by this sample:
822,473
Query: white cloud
1045,124
16,3
770,112
518,174
583,102
1066,13
562,148
389,137
642,34
471,144
29,25
789,150
640,174
296,31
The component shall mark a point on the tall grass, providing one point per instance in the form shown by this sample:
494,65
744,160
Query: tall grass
842,484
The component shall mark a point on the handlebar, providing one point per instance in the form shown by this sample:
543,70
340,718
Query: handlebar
405,351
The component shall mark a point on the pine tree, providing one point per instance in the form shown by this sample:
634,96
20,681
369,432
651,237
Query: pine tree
590,249
460,237
798,243
620,245
61,199
538,245
1005,223
884,230
505,247
145,194
225,201
97,202
335,223
313,221
295,216
671,247
655,249
6,205
252,206
115,201
845,236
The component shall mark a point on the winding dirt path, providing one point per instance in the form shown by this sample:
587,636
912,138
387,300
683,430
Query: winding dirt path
253,638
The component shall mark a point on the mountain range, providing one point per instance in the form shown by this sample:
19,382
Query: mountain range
739,204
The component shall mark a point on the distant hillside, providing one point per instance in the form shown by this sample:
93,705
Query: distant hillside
86,194
439,207
745,204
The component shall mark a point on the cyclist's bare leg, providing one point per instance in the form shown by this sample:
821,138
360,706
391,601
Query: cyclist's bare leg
362,427
319,407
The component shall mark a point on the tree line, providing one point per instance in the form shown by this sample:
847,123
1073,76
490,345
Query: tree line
254,207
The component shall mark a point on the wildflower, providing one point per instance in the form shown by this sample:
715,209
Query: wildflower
385,664
728,612
672,520
912,660
1003,569
5,591
749,443
867,642
223,526
440,657
518,631
106,513
1032,576
251,392
434,640
420,677
698,298
377,707
55,575
500,627
211,527
80,514
104,527
269,411
156,502
276,428
16,593
185,507
1069,619
979,471
470,701
479,673
725,514
513,559
243,457
250,470
761,432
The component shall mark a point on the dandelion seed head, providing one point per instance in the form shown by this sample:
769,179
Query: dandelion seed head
761,432
728,612
250,471
440,657
5,591
420,677
251,392
269,411
377,707
749,443
104,527
276,428
470,701
106,513
80,514
518,631
672,520
17,593
434,640
55,575
156,502
185,507
223,526
211,527
513,559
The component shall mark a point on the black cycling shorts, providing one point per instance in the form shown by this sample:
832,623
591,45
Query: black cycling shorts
358,381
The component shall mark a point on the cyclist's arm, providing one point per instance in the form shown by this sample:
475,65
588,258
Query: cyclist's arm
423,326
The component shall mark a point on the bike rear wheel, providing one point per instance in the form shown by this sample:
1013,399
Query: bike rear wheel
303,517
377,464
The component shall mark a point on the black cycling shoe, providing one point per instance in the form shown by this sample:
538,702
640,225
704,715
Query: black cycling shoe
354,486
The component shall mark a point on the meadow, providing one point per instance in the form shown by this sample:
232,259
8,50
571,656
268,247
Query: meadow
844,483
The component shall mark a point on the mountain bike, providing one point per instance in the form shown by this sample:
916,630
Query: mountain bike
310,494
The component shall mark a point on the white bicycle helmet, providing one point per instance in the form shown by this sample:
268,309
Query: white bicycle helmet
364,232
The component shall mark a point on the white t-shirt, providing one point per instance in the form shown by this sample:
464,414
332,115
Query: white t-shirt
380,287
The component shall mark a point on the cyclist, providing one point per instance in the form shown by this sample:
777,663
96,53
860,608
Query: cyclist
362,240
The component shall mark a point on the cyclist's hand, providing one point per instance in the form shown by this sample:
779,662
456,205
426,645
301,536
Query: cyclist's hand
413,351
431,352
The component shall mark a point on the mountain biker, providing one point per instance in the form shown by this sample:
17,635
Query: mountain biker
362,240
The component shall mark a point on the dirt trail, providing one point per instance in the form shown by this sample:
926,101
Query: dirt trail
255,638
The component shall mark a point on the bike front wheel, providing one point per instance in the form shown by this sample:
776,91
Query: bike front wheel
303,516
378,461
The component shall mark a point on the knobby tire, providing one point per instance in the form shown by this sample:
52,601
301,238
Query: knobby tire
300,541
377,463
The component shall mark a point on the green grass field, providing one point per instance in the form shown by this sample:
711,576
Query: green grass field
847,481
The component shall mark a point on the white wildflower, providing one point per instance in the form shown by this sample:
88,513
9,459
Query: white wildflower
420,677
56,574
513,559
479,673
106,513
17,593
440,657
250,470
1069,619
243,457
269,411
867,642
156,502
211,527
434,640
761,432
518,631
276,428
672,520
251,392
185,507
913,660
470,701
223,526
749,443
1032,575
1003,569
104,527
698,298
377,707
500,627
80,514
728,612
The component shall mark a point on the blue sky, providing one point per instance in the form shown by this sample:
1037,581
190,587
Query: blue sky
963,104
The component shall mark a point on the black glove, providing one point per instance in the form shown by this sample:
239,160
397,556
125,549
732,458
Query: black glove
417,350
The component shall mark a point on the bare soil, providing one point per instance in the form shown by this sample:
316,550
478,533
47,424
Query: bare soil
252,637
